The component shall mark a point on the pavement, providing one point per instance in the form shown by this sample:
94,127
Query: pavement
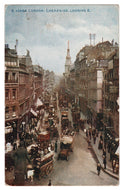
98,154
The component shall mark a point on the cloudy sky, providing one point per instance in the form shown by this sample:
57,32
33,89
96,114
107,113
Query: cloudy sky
45,32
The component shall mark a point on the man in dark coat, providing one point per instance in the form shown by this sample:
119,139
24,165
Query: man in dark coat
98,168
49,184
20,157
90,134
94,139
56,146
104,161
104,152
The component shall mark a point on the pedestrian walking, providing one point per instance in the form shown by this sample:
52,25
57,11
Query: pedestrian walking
89,143
117,167
93,133
90,134
104,161
98,168
97,133
101,137
104,152
20,156
113,165
100,145
49,184
109,147
56,146
94,138
87,133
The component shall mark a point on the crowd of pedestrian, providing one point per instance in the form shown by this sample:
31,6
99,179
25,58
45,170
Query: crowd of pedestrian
93,133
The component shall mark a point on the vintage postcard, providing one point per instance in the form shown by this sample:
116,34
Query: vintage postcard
61,95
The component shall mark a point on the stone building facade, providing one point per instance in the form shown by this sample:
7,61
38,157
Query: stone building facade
11,92
23,86
111,93
86,81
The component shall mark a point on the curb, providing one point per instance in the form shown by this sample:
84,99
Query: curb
97,160
109,173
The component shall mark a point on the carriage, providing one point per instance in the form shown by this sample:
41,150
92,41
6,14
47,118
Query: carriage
66,146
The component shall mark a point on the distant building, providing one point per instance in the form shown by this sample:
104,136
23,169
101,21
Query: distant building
48,84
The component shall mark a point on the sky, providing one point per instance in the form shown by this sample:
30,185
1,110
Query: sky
45,32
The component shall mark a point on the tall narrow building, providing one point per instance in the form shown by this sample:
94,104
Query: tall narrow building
67,62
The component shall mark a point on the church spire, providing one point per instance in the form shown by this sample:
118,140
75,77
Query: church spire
68,57
68,61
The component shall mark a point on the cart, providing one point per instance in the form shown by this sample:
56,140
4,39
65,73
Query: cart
41,165
66,146
44,165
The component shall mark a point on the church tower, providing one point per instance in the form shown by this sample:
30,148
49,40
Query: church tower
67,62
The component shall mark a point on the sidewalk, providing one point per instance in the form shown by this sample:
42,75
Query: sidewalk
98,153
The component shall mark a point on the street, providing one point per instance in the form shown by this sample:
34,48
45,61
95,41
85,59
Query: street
79,170
81,167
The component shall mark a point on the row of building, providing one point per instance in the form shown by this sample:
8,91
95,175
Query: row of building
25,86
93,80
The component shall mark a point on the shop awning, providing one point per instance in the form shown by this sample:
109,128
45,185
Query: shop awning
33,112
117,151
39,103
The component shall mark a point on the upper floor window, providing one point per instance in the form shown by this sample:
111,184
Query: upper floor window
7,94
13,77
6,77
7,110
14,93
